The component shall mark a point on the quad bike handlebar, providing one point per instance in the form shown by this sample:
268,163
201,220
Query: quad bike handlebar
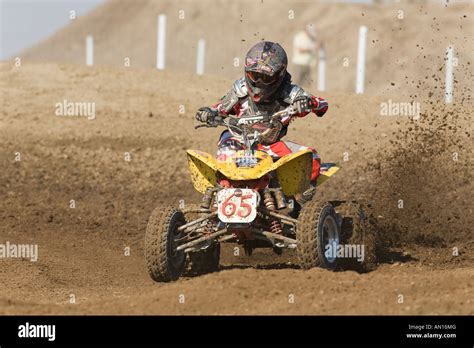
226,120
241,127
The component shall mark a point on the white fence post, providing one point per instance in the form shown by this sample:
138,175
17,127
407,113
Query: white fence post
322,70
448,95
201,52
361,59
89,50
161,42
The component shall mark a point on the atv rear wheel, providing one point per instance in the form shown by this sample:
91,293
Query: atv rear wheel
205,261
357,229
317,228
163,261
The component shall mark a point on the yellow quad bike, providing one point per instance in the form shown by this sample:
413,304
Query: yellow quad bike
256,201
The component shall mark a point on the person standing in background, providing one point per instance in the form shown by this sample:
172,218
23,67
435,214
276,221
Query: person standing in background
305,53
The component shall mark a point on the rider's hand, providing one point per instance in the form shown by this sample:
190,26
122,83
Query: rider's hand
206,115
302,105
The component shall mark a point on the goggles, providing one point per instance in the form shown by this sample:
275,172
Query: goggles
261,78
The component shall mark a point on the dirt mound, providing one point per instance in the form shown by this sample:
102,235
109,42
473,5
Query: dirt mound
82,250
399,53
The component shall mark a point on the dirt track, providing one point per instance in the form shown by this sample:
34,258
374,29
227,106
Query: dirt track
81,250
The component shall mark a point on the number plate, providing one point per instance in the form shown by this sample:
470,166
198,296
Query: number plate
237,205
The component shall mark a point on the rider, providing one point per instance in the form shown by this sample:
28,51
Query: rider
265,89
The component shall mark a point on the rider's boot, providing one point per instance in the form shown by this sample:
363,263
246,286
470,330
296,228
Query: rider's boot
307,195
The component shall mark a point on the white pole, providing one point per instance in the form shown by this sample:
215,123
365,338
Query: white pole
361,59
161,42
322,70
89,50
201,51
448,95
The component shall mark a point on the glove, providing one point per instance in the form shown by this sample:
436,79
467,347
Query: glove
206,115
302,105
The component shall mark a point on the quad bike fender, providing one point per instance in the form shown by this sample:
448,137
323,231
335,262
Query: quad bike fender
203,168
294,172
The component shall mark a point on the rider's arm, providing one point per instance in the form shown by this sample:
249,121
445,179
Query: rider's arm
228,105
230,102
319,105
221,108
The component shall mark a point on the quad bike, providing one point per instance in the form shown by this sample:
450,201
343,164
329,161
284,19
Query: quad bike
257,202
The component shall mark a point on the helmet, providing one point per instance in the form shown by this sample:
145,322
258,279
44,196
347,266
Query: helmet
265,70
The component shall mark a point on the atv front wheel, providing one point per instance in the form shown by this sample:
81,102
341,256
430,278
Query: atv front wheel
163,261
317,229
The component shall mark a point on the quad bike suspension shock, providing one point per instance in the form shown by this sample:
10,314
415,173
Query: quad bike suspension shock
207,198
279,198
276,227
269,201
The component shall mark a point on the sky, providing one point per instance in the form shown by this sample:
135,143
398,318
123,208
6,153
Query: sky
25,22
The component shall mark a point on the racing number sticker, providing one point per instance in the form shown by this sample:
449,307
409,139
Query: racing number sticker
237,205
243,206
